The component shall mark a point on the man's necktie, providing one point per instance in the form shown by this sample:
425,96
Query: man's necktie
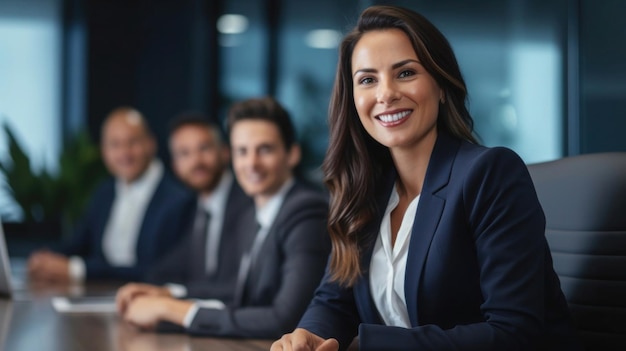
212,248
246,261
200,226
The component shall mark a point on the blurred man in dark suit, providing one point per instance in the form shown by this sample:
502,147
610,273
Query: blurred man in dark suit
134,218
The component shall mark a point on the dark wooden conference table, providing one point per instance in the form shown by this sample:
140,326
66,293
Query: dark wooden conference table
29,322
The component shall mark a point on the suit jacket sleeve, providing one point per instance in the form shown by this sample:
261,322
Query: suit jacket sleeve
332,313
98,269
304,247
200,290
89,227
172,268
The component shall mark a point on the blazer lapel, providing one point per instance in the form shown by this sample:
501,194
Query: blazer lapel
146,245
105,204
253,245
429,210
249,230
236,204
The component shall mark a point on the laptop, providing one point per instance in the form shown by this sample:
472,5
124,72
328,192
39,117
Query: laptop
13,273
6,287
6,306
11,282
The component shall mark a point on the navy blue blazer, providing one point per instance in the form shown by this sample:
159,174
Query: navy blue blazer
168,211
479,273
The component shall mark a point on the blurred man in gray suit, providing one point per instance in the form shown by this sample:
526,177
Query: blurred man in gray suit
284,249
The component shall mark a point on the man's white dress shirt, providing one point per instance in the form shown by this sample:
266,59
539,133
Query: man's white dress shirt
121,232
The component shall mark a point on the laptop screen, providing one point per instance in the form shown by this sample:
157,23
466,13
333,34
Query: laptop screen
5,268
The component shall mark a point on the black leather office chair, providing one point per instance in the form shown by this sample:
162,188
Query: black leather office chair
584,200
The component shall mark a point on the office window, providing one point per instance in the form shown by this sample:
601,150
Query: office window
512,56
512,53
309,34
243,42
30,83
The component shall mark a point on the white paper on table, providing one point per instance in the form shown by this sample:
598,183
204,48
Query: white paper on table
85,304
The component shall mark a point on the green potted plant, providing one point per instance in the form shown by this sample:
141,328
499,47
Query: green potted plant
51,202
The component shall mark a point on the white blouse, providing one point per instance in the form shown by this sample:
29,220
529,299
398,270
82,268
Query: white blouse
388,265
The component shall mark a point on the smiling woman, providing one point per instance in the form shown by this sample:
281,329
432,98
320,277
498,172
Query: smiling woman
438,242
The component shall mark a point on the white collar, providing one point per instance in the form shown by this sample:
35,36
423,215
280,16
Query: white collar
147,180
266,215
215,202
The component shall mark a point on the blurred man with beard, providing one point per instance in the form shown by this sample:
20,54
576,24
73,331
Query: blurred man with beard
205,262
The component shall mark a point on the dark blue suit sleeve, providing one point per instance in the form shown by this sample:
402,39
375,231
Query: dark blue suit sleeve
332,313
79,244
88,230
98,269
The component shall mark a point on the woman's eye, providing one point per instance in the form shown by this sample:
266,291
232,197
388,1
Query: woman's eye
405,74
366,81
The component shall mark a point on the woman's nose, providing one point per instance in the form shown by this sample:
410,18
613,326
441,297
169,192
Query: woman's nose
387,92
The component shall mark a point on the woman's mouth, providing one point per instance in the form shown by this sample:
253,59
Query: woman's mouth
393,119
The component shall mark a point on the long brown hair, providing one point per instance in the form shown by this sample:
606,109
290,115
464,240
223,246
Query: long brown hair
355,162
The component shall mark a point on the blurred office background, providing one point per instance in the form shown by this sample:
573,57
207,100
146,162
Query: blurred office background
546,78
